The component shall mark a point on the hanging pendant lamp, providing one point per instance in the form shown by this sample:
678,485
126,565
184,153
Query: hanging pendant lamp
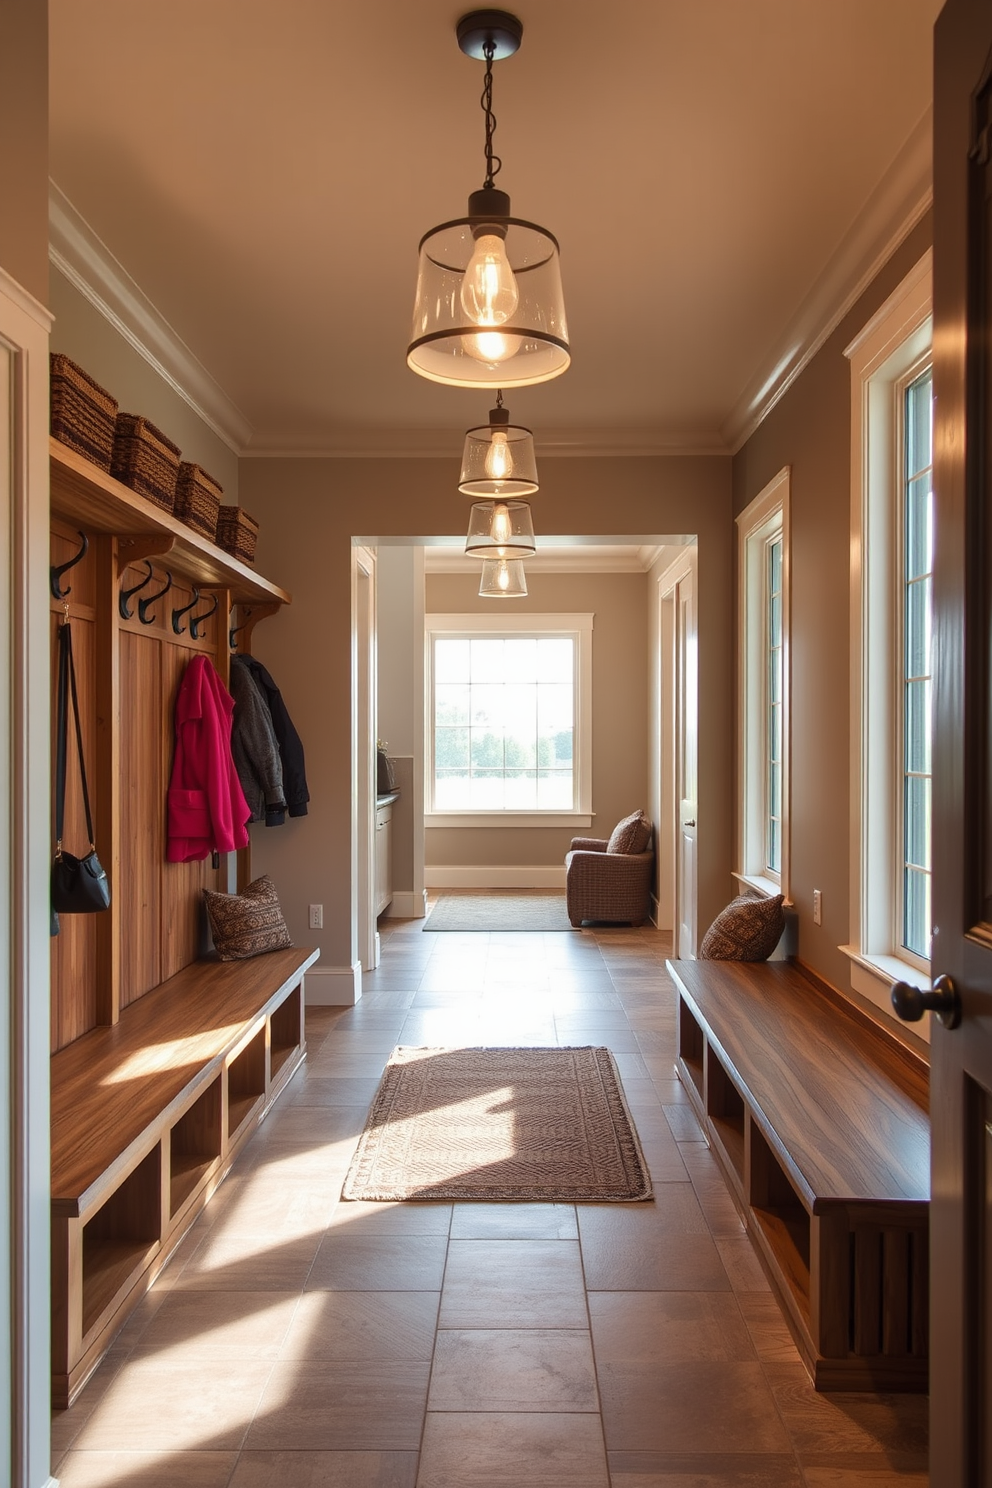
502,578
498,458
489,310
500,529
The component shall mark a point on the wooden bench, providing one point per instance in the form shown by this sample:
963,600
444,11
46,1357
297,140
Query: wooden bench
820,1122
147,1116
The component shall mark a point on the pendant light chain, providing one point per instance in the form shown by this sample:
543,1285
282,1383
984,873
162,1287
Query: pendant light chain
493,163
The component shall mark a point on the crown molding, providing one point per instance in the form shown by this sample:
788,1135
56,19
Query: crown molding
446,444
893,209
88,264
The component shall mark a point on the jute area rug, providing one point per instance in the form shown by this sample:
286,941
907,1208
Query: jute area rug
499,911
541,1125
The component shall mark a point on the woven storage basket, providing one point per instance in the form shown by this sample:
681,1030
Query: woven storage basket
83,413
236,533
145,460
198,499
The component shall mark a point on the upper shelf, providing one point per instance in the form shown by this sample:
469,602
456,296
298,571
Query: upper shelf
83,493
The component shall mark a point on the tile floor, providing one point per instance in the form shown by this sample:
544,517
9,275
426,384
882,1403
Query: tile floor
299,1342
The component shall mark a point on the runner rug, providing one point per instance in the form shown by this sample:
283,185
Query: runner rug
499,911
540,1125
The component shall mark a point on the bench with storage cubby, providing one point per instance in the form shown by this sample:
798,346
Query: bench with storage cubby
819,1118
147,1116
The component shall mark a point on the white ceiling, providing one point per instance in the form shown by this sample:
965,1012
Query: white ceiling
721,175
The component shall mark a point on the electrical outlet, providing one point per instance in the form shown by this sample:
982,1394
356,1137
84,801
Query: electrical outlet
817,907
316,917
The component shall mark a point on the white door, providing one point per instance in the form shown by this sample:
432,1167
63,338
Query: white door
686,725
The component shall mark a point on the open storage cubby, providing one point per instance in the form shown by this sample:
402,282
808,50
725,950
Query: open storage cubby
194,1146
691,1046
783,1219
120,1237
725,1108
285,1026
245,1081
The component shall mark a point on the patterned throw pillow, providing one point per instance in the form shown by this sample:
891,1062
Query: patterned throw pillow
631,835
247,924
748,929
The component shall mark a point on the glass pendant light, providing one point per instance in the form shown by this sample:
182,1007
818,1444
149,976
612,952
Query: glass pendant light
498,458
502,578
489,310
500,529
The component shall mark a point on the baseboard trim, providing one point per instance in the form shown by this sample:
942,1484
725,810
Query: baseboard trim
407,905
333,986
510,876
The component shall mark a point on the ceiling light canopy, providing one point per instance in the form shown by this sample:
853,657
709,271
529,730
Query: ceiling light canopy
500,529
498,458
502,578
489,310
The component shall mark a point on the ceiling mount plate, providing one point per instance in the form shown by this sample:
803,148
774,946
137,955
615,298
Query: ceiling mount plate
481,26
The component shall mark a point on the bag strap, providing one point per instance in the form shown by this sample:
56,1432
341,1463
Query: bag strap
67,689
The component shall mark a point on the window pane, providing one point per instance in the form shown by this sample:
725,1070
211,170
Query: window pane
452,790
917,729
919,526
451,661
450,704
487,707
488,660
918,628
917,822
520,659
451,749
555,660
917,912
919,425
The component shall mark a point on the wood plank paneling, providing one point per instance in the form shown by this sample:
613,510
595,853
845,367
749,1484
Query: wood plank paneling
142,814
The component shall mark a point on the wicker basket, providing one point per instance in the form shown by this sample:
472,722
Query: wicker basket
83,413
198,499
237,532
145,460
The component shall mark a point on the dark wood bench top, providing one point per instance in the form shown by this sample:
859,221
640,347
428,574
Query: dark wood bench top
845,1107
115,1083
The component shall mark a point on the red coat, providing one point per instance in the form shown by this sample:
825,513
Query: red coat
206,811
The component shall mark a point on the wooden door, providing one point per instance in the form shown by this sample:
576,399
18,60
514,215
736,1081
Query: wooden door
686,716
961,1104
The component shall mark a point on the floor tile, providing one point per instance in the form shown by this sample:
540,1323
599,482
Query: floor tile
294,1469
503,1450
767,1327
513,1283
384,1327
315,1090
240,1263
527,1369
315,1405
218,1325
514,1222
864,1470
349,1260
703,1470
409,1217
672,1407
846,1422
153,1406
667,1327
146,1469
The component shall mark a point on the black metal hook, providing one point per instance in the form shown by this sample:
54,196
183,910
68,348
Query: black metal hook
233,634
178,614
144,605
195,621
58,569
125,596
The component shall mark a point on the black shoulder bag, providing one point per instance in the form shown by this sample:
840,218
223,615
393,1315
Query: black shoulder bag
79,885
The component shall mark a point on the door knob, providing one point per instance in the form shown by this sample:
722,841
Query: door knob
943,999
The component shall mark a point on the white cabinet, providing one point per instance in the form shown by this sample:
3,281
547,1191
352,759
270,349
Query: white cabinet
383,852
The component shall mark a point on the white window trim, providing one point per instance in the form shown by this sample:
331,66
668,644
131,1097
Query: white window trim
763,519
577,626
893,343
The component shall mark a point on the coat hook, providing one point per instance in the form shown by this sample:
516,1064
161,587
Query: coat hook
178,614
234,632
124,598
144,605
195,621
58,569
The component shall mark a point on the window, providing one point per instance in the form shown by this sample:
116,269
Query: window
763,785
509,712
892,552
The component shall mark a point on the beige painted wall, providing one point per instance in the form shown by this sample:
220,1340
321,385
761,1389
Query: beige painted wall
24,153
82,333
619,700
810,429
310,508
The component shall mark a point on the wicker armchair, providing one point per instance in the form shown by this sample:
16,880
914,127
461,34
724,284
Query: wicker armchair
600,885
